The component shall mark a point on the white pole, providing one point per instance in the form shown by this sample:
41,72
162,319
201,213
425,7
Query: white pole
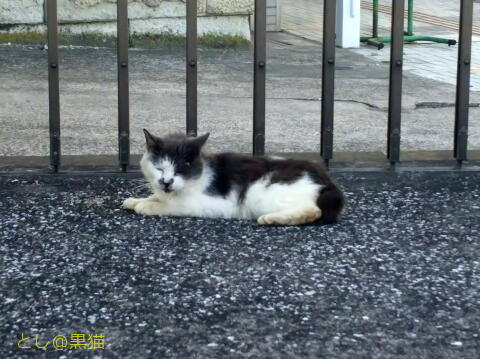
348,23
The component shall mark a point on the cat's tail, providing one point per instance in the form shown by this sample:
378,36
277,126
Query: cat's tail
331,201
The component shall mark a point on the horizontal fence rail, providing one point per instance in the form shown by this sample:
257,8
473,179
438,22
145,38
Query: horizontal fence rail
259,79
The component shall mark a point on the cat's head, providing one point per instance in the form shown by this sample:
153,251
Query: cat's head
172,161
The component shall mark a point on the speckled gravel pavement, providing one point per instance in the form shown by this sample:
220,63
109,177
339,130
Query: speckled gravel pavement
398,277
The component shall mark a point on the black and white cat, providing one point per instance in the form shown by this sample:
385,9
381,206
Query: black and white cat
273,191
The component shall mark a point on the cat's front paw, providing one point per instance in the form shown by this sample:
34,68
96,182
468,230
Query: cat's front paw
130,203
148,208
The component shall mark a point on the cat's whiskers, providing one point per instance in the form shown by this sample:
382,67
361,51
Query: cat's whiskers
144,185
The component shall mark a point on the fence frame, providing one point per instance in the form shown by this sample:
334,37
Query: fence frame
460,149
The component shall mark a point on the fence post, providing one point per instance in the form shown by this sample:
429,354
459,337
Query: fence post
53,85
463,81
395,89
191,111
123,91
328,80
259,71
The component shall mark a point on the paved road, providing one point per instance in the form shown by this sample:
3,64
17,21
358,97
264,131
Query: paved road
157,77
398,277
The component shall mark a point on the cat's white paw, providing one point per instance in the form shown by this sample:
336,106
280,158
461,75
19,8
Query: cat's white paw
130,203
148,208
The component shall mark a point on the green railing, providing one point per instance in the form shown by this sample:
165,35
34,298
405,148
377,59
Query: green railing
379,41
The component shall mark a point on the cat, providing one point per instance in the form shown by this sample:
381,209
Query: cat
272,191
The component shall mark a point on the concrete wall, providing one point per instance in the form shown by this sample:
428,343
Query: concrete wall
218,17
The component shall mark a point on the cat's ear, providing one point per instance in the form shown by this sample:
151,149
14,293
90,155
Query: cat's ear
194,146
154,143
200,140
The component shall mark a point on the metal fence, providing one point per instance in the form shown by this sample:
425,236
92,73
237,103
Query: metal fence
259,62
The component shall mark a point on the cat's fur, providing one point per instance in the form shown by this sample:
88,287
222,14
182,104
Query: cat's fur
186,182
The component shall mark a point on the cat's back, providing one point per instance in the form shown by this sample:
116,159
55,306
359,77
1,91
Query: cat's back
231,169
263,185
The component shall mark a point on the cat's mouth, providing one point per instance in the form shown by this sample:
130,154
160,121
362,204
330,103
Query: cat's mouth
168,190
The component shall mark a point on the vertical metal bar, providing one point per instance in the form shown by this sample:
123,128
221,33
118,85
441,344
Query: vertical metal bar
328,80
463,81
395,90
191,67
375,19
410,18
53,85
123,93
259,71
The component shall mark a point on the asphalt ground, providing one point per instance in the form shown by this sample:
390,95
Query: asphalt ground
397,277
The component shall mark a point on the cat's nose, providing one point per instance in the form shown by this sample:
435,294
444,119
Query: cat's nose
167,183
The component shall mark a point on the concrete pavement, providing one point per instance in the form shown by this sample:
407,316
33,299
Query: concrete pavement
433,18
89,100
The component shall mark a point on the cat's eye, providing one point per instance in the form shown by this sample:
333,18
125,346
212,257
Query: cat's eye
187,164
